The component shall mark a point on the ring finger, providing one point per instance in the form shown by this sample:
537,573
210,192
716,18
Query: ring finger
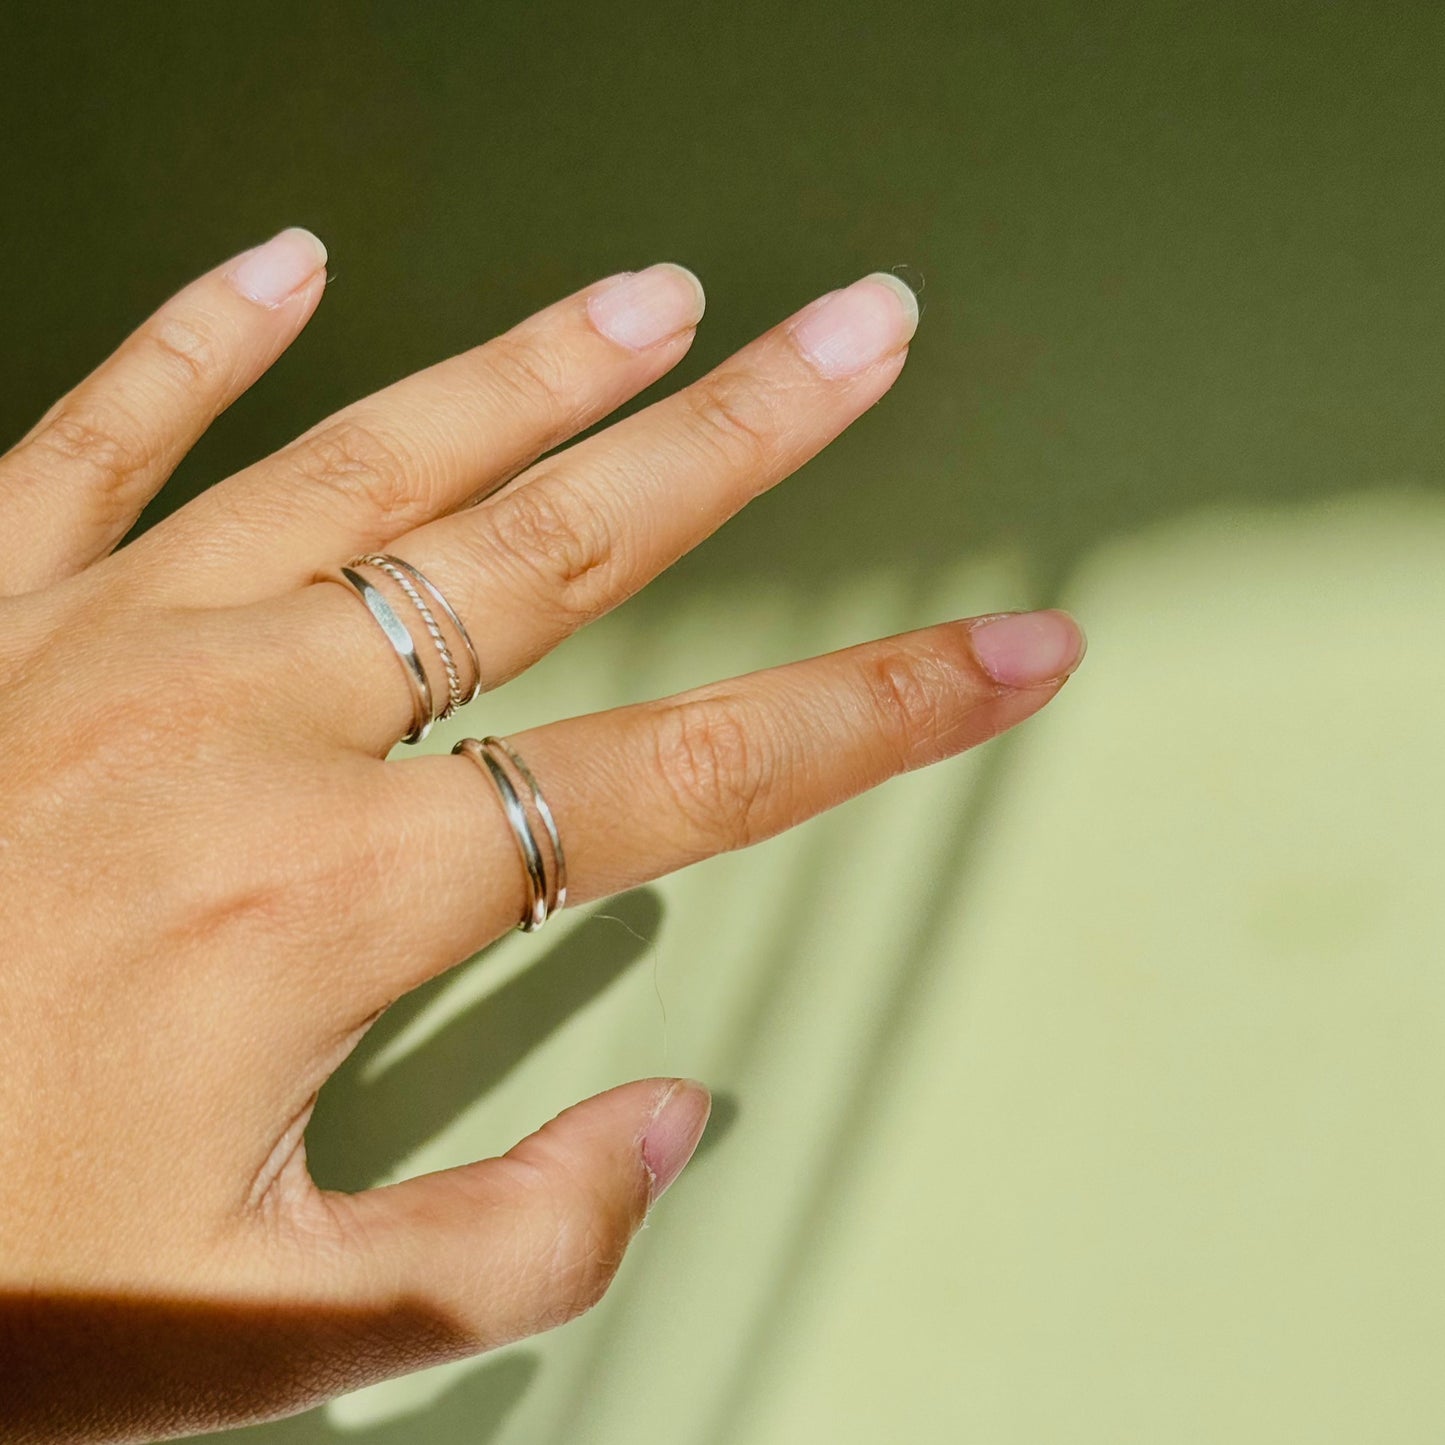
583,530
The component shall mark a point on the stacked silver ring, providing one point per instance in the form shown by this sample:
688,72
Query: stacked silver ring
423,599
546,868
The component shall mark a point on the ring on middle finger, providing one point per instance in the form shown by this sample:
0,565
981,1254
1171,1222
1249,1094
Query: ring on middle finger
421,598
413,582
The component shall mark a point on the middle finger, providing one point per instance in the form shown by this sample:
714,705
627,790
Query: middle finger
427,444
583,530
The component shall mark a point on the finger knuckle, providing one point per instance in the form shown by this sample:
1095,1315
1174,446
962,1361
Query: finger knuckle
106,449
907,701
715,766
735,413
362,464
561,540
101,443
533,375
185,350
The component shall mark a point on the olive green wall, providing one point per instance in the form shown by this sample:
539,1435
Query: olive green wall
1082,1091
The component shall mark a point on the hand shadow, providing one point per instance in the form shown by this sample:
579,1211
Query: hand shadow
363,1128
474,1409
177,1363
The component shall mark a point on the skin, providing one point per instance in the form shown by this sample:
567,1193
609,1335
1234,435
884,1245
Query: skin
214,879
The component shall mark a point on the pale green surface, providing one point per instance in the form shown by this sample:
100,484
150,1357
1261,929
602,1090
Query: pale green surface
1084,1091
1153,1153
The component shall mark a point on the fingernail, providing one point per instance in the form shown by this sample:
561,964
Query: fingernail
1028,649
672,1135
278,269
857,326
645,307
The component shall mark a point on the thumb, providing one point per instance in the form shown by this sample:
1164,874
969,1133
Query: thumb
511,1246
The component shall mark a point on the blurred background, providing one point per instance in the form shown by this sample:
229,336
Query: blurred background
1087,1089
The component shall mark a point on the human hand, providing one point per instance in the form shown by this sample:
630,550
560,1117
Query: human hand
213,883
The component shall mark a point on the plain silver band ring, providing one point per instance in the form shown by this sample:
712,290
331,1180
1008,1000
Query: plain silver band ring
559,882
402,643
536,914
391,568
463,635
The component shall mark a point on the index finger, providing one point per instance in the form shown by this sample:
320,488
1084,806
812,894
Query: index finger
640,791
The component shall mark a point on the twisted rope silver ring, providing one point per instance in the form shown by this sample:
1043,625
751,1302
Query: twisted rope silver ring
412,584
546,885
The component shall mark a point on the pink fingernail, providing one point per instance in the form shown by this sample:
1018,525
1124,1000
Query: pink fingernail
1028,649
855,327
640,309
271,273
673,1134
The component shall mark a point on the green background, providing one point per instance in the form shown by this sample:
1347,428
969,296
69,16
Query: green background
1084,1090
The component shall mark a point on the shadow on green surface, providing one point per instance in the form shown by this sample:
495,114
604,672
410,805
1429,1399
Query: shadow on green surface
365,1127
865,1091
1171,260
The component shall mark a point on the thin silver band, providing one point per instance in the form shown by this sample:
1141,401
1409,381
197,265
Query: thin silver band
390,566
463,635
558,897
537,910
402,644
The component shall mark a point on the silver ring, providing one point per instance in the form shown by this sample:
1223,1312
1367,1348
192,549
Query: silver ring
545,894
411,582
559,878
463,635
393,568
402,643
